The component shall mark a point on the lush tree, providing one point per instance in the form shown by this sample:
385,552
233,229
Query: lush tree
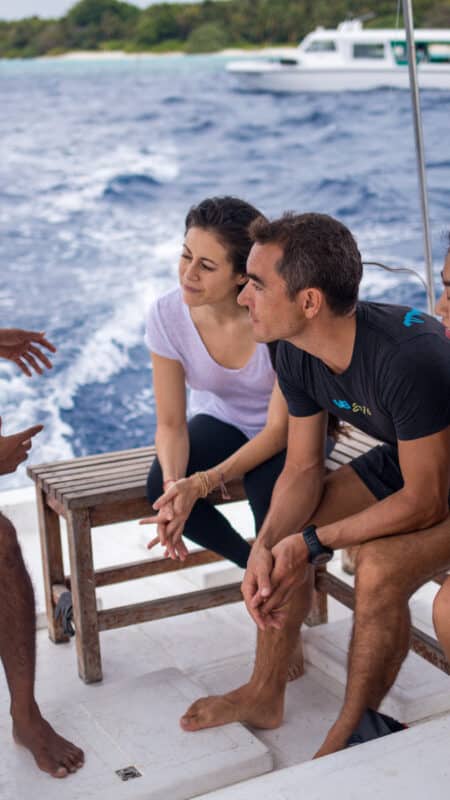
207,38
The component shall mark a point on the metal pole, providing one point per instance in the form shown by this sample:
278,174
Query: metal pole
420,153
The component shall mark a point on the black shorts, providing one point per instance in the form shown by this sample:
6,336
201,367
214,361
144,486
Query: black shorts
379,470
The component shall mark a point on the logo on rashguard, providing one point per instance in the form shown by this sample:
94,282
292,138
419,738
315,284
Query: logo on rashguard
413,317
356,408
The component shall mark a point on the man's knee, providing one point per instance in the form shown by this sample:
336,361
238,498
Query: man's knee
376,576
9,546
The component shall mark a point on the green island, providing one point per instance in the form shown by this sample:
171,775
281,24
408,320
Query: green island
208,26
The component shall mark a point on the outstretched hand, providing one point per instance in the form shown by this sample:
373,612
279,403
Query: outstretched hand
24,349
14,449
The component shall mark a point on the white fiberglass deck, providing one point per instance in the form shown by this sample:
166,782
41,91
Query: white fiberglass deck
131,719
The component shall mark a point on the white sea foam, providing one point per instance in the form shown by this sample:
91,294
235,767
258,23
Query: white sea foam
85,183
99,358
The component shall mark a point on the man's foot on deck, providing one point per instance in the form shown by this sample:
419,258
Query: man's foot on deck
257,709
52,753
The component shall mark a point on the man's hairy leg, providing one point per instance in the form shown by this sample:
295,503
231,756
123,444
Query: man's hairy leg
260,702
52,753
388,572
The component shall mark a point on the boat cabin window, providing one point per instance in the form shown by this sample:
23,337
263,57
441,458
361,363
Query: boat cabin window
375,50
438,53
432,52
321,46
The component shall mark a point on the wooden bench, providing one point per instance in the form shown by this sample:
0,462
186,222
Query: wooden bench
110,488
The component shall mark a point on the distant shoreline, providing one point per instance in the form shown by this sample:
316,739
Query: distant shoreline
118,55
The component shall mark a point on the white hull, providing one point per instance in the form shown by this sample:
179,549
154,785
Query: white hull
350,58
275,78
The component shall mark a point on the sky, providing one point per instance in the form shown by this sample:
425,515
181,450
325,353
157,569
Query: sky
16,9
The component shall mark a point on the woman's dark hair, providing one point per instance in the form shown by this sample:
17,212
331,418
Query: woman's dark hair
229,219
318,252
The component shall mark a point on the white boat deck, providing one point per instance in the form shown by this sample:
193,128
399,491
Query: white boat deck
153,671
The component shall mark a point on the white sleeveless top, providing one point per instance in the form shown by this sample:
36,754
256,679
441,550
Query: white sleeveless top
237,396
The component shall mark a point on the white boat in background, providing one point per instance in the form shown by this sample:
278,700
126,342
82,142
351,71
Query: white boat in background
350,58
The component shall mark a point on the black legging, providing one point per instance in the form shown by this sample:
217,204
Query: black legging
211,441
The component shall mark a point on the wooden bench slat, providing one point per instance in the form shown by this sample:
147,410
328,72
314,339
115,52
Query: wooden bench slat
89,489
97,478
346,450
169,606
339,458
89,469
365,438
34,469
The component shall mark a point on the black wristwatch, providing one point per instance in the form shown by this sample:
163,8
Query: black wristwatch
318,553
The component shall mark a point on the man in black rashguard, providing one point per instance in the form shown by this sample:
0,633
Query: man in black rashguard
385,370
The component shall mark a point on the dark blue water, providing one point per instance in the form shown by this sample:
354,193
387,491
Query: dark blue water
99,162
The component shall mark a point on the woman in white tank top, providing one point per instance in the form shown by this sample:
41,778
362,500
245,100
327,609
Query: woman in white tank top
220,412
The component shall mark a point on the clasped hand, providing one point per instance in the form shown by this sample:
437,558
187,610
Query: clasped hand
173,507
271,579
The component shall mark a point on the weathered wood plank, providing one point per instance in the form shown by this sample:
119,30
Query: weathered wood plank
155,566
168,606
52,563
318,613
83,597
93,470
79,500
33,470
96,479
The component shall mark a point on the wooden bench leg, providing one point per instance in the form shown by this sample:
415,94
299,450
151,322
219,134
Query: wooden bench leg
82,581
52,562
318,614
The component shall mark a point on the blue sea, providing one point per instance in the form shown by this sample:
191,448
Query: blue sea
100,161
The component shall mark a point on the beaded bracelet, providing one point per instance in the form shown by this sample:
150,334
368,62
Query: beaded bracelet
206,488
204,481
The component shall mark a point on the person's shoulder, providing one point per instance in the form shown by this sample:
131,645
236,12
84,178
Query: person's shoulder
288,356
400,325
166,305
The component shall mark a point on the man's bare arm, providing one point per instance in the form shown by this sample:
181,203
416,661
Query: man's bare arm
299,488
295,497
421,503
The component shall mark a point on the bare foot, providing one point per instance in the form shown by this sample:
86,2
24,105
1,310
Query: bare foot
51,752
296,666
243,705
